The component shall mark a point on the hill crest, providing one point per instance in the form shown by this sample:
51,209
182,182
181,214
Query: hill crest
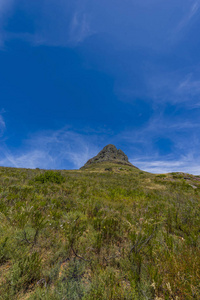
109,154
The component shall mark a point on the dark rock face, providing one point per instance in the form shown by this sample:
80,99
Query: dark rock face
110,154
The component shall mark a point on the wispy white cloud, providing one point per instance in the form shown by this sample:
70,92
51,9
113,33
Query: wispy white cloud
30,159
183,136
176,87
183,164
51,149
6,7
194,9
60,22
161,126
189,86
2,125
57,23
79,28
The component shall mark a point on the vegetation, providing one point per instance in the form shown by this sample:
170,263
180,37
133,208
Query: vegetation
103,232
50,176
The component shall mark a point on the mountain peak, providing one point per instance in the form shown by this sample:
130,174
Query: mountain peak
109,154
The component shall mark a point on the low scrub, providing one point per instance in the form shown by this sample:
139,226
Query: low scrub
50,176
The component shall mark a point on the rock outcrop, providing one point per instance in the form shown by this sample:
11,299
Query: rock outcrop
110,154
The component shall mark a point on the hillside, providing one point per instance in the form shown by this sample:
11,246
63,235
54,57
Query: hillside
107,231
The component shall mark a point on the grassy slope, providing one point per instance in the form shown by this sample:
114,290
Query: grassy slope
115,234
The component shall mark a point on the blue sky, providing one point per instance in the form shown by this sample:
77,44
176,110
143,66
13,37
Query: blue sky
78,75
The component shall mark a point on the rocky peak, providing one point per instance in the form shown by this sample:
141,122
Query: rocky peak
110,154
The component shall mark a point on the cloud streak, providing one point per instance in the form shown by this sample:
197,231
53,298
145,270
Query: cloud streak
183,136
6,7
183,164
79,28
63,23
194,9
52,149
181,87
2,125
189,86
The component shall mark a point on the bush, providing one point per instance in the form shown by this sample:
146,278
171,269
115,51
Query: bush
50,176
161,176
108,169
25,272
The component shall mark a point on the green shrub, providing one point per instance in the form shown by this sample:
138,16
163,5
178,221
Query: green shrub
50,176
3,250
161,176
25,272
71,284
